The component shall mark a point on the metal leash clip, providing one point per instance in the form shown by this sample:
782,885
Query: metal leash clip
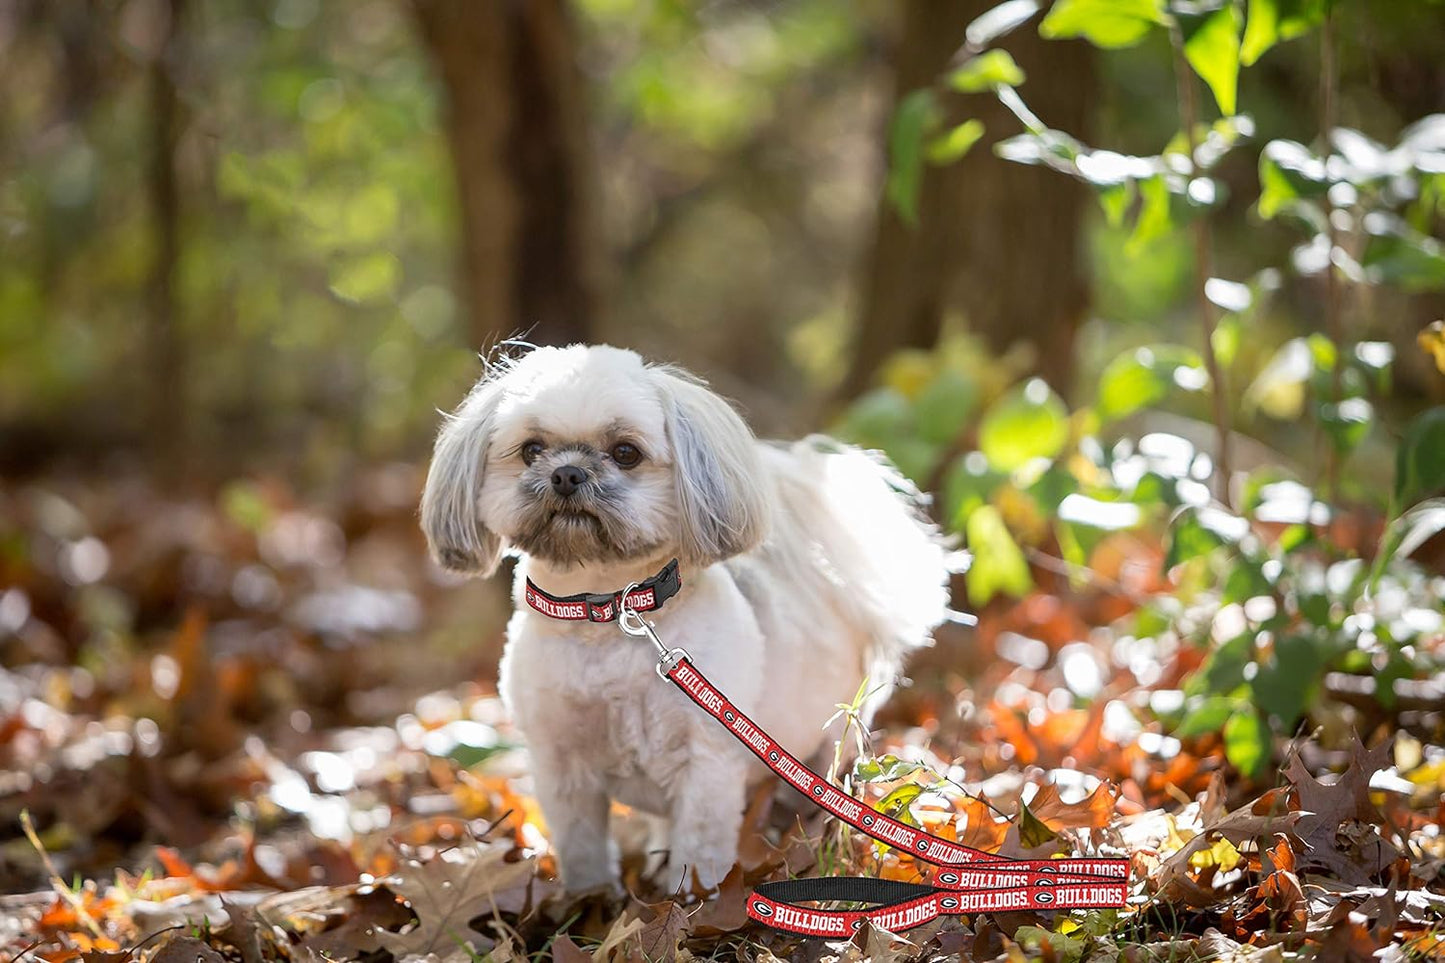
631,621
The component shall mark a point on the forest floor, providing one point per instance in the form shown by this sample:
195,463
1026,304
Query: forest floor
230,730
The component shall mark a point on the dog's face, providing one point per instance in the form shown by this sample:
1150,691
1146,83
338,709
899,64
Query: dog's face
586,454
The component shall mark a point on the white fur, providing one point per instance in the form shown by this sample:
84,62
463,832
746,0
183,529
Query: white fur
804,568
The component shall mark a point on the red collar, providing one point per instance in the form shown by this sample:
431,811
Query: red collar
645,596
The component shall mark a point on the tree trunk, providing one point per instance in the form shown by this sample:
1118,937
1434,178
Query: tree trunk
520,149
996,242
165,348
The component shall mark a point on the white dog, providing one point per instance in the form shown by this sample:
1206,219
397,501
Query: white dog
804,568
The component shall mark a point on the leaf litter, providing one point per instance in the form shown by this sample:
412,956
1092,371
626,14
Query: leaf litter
226,748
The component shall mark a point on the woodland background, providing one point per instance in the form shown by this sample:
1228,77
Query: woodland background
248,248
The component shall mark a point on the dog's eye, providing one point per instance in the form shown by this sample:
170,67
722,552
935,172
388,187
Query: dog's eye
626,456
530,451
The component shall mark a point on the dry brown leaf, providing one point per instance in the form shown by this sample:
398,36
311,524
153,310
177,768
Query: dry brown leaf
618,946
1262,818
1338,825
446,893
186,949
981,829
665,926
883,946
566,951
1093,812
366,915
725,913
243,932
1214,945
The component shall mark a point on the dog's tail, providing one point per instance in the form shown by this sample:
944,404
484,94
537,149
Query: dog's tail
884,563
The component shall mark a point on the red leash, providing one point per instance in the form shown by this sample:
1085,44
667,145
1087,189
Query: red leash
971,880
990,882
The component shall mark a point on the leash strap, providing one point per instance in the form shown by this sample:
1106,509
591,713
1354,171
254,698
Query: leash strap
970,881
645,596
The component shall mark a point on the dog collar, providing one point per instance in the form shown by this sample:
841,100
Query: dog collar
647,596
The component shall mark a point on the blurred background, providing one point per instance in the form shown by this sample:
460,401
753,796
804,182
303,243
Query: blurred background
249,248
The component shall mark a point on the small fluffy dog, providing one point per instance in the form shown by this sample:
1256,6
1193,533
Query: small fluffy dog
805,567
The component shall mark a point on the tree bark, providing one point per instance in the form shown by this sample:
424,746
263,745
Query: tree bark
165,348
516,122
996,242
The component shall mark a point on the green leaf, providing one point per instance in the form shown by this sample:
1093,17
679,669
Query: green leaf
1261,32
1420,459
896,803
914,457
994,68
1154,220
877,418
1347,423
1115,199
1276,193
1288,172
1033,831
968,483
1145,376
367,278
1104,23
949,147
944,405
1245,581
1198,531
1213,51
883,769
1406,258
1026,423
998,564
1223,669
1209,716
917,114
1272,21
1315,607
1247,742
1284,685
1416,527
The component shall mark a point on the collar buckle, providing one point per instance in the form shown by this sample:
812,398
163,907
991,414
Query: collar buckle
630,621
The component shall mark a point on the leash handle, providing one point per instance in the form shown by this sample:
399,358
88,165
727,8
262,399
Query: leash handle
971,881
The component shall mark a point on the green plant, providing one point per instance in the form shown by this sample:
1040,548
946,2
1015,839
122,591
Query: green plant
1258,575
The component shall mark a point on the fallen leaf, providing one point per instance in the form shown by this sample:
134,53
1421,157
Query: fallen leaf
1262,818
186,949
1095,811
1338,825
447,892
665,925
566,951
726,912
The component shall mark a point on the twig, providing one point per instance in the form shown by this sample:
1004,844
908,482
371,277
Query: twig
56,882
1203,270
1062,566
1334,325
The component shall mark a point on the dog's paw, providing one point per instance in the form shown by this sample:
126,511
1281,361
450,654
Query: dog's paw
605,891
697,880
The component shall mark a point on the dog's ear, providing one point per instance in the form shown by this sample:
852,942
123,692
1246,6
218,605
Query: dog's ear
722,504
451,514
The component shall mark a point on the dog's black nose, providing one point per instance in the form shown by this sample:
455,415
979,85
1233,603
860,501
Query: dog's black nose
567,479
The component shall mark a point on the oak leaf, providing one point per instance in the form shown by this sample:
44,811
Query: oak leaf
1338,822
446,893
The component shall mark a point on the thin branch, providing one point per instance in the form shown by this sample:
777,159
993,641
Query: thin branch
56,882
1203,270
1334,324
